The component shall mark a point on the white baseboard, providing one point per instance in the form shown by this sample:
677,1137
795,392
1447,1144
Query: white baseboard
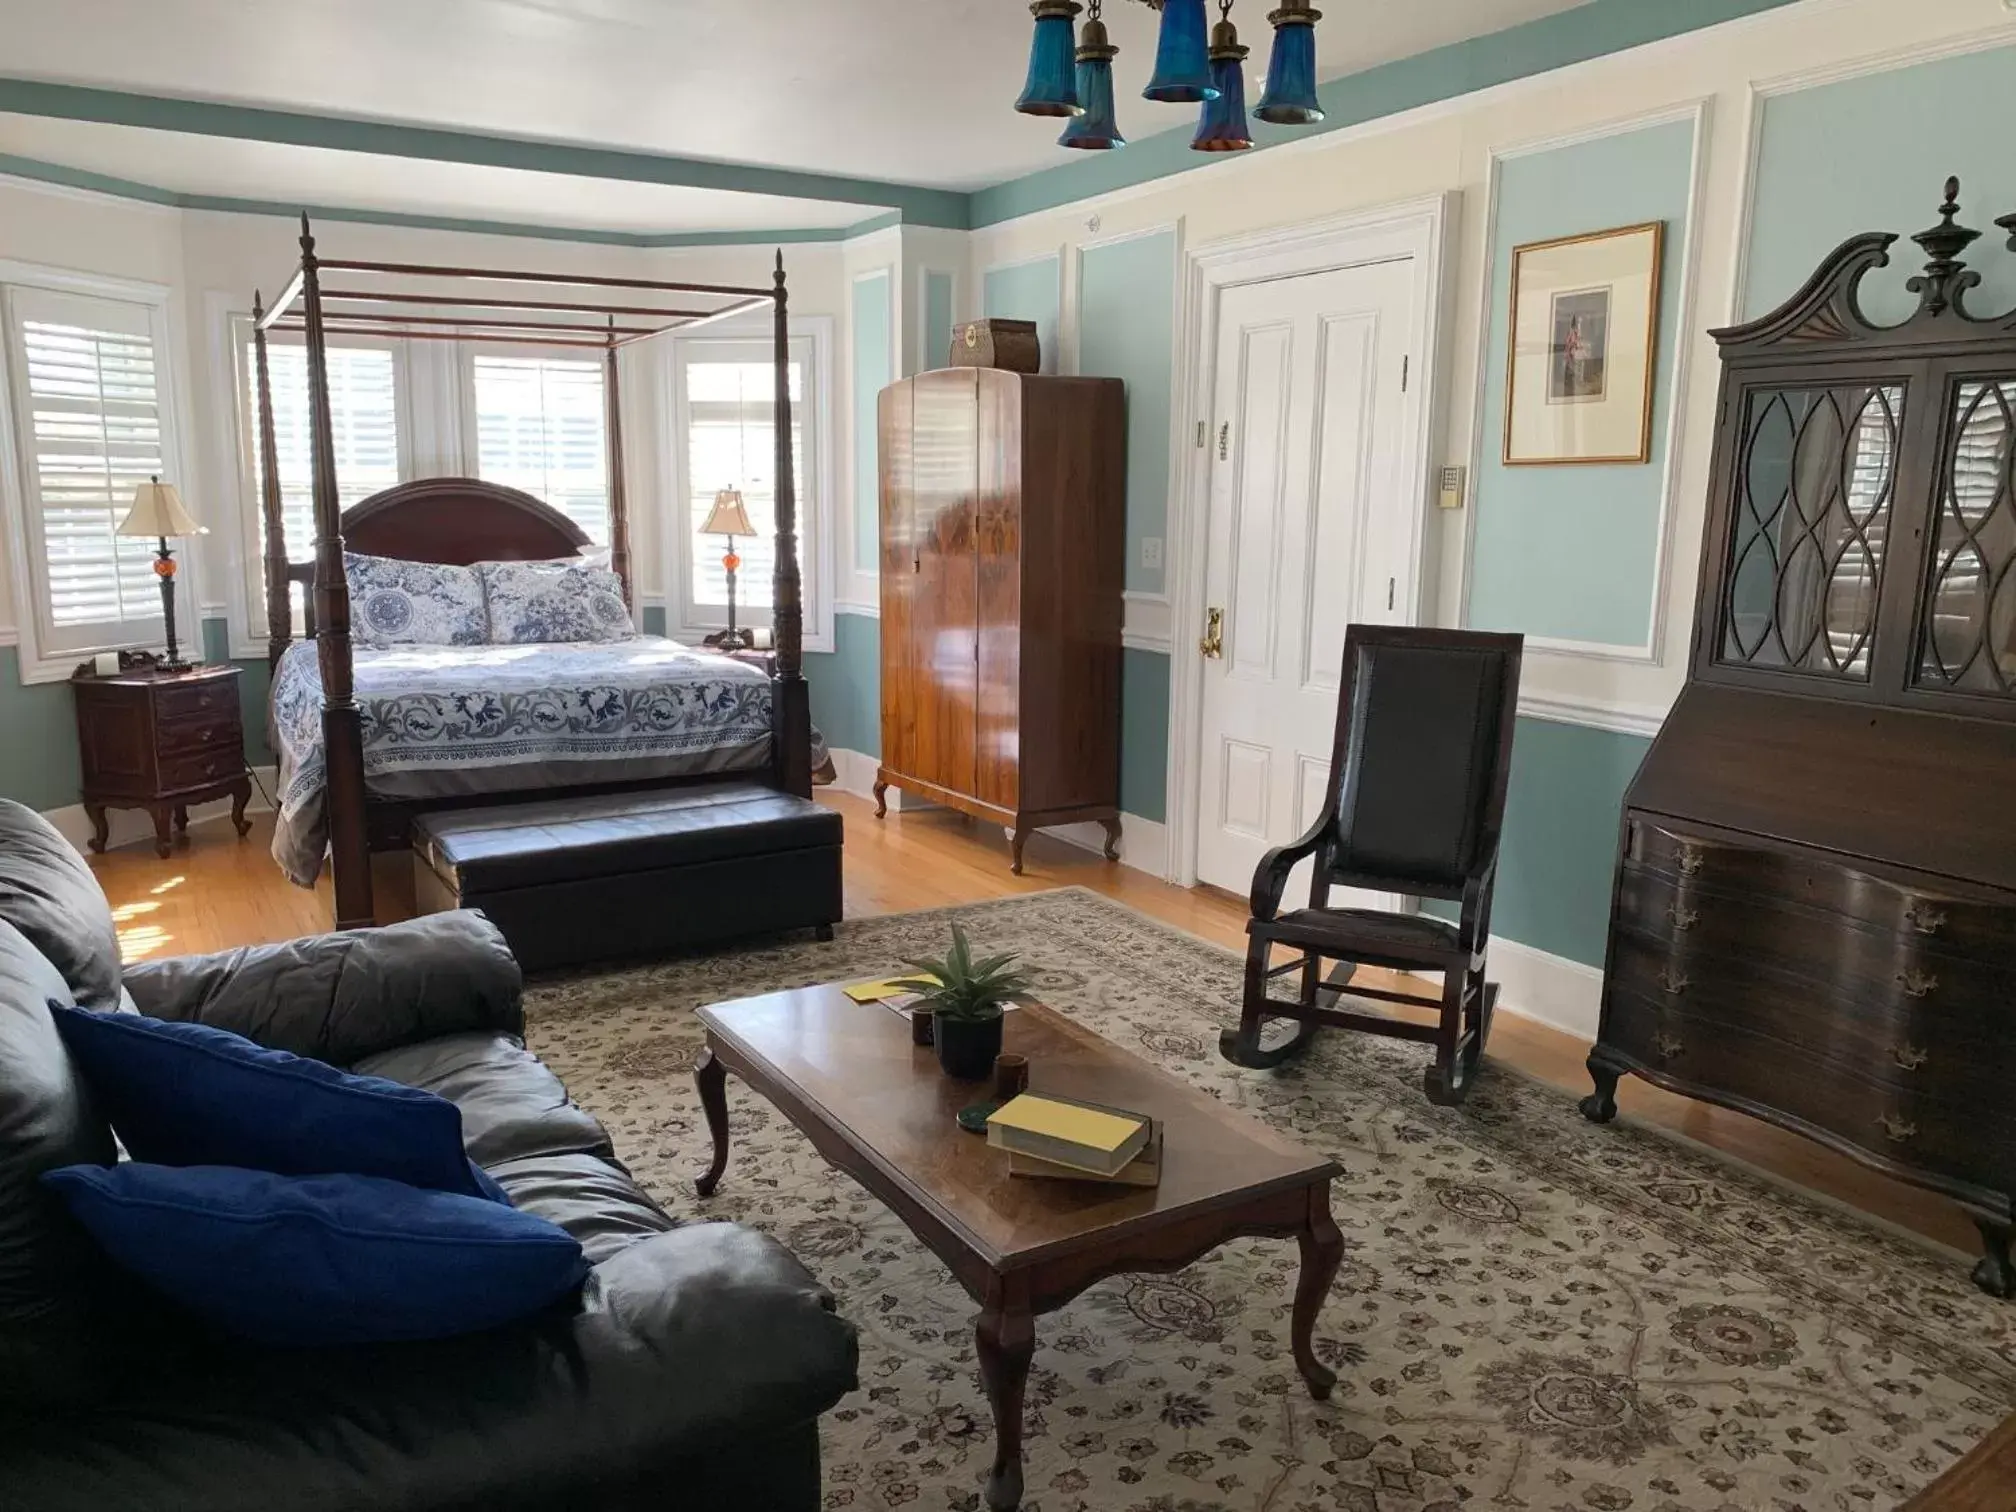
130,826
1144,844
854,772
1549,989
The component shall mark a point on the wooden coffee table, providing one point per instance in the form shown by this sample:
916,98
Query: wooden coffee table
879,1108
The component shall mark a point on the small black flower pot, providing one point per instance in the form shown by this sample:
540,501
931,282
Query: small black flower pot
967,1048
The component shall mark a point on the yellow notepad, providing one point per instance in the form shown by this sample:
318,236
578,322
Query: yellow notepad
1070,1122
876,992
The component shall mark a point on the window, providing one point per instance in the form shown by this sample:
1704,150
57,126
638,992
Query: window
540,428
727,404
91,421
363,417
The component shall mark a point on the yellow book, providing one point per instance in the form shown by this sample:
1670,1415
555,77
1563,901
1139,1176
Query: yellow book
876,992
1069,1133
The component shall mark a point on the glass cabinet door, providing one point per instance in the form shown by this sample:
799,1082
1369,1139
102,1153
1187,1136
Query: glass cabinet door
1967,635
1815,478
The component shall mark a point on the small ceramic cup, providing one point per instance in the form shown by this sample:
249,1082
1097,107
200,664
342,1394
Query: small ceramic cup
1011,1076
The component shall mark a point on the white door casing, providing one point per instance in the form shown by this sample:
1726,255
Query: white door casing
1392,538
1306,536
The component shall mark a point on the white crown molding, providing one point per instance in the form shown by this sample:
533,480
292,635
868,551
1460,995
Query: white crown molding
1641,720
97,197
1986,39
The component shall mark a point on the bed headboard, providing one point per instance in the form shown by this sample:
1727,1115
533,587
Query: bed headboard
455,521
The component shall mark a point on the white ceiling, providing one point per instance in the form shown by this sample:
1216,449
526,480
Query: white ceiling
910,91
314,176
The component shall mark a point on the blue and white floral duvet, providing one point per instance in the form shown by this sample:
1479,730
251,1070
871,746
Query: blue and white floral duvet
645,707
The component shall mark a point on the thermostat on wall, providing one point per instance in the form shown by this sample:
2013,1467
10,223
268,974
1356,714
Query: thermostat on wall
1449,493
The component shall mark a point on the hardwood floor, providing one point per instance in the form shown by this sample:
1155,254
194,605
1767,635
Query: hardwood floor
220,892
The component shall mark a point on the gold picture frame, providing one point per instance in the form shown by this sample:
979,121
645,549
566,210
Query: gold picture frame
1582,348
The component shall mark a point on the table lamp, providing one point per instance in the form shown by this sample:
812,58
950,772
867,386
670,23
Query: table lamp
729,518
158,512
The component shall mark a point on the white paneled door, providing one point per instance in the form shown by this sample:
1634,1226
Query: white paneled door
1309,532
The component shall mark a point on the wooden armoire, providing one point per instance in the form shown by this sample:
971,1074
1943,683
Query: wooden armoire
1814,918
1003,561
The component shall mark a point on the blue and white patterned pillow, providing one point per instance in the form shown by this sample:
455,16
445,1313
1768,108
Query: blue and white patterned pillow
566,599
395,603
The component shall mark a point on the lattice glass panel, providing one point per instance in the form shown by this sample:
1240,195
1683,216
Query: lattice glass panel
1816,474
1968,639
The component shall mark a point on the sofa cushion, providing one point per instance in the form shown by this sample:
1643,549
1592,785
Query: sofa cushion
511,1104
49,894
321,1259
691,1343
191,1095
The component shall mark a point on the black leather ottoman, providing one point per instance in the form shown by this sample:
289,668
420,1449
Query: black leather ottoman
622,875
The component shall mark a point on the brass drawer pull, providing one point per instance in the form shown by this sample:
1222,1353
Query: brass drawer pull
1673,981
1924,918
1916,984
1683,918
1897,1130
1910,1057
1668,1046
1690,861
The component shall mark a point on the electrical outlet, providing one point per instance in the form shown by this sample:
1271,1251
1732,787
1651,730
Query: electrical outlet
1151,553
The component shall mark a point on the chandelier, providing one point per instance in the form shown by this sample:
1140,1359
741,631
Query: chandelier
1073,76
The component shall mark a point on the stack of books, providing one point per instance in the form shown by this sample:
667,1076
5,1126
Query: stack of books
1062,1139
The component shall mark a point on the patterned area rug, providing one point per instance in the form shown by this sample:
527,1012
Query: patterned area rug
1533,1312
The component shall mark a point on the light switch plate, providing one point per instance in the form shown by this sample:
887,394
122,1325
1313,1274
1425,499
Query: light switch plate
1151,553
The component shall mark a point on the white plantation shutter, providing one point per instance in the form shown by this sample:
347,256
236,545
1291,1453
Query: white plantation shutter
540,427
363,415
90,412
729,393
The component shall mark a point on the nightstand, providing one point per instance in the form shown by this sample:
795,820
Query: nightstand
161,741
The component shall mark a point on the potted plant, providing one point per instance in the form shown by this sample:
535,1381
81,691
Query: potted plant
966,998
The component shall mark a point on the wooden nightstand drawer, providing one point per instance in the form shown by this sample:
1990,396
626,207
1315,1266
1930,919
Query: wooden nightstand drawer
213,732
202,701
200,769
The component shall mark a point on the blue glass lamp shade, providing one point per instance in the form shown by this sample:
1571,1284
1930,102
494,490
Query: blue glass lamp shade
1182,61
1096,130
1222,126
1290,96
1052,88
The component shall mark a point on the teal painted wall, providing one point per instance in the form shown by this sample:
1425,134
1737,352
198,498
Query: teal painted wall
652,620
1954,115
1126,304
1144,734
1028,291
846,685
937,321
1560,844
1570,552
873,369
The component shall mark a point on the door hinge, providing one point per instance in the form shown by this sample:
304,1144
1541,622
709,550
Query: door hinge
1406,365
1203,430
1224,440
1389,593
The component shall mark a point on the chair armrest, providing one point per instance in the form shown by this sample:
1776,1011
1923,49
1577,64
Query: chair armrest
1271,875
339,997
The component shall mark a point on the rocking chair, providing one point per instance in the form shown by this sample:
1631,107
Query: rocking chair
1415,804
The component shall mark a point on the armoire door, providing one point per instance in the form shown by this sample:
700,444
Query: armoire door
941,584
900,673
998,591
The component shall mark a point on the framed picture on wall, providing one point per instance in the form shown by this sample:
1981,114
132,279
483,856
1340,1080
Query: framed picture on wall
1584,336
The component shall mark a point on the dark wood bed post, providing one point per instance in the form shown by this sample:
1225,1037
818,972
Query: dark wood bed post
342,729
793,711
619,501
279,592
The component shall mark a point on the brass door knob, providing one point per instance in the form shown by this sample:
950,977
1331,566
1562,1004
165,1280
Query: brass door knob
1213,643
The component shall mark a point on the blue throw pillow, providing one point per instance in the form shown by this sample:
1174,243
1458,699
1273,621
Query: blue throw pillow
321,1259
190,1095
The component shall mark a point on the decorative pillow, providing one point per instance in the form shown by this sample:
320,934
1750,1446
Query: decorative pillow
395,603
321,1260
191,1095
566,599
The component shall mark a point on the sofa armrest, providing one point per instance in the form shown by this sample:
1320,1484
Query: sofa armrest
339,997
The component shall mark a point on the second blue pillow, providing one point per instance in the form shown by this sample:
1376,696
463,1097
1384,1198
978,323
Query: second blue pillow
189,1095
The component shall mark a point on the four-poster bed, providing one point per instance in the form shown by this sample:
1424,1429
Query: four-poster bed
713,713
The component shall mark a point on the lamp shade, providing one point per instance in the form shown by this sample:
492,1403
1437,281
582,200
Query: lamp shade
1052,87
1290,97
158,511
1222,125
1182,59
728,517
1096,129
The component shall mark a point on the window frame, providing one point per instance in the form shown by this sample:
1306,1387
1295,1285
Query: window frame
248,615
46,654
685,619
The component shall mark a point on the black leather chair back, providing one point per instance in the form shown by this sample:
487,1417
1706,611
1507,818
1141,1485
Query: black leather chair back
1423,754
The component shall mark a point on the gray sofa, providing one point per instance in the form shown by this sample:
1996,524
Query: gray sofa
691,1374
